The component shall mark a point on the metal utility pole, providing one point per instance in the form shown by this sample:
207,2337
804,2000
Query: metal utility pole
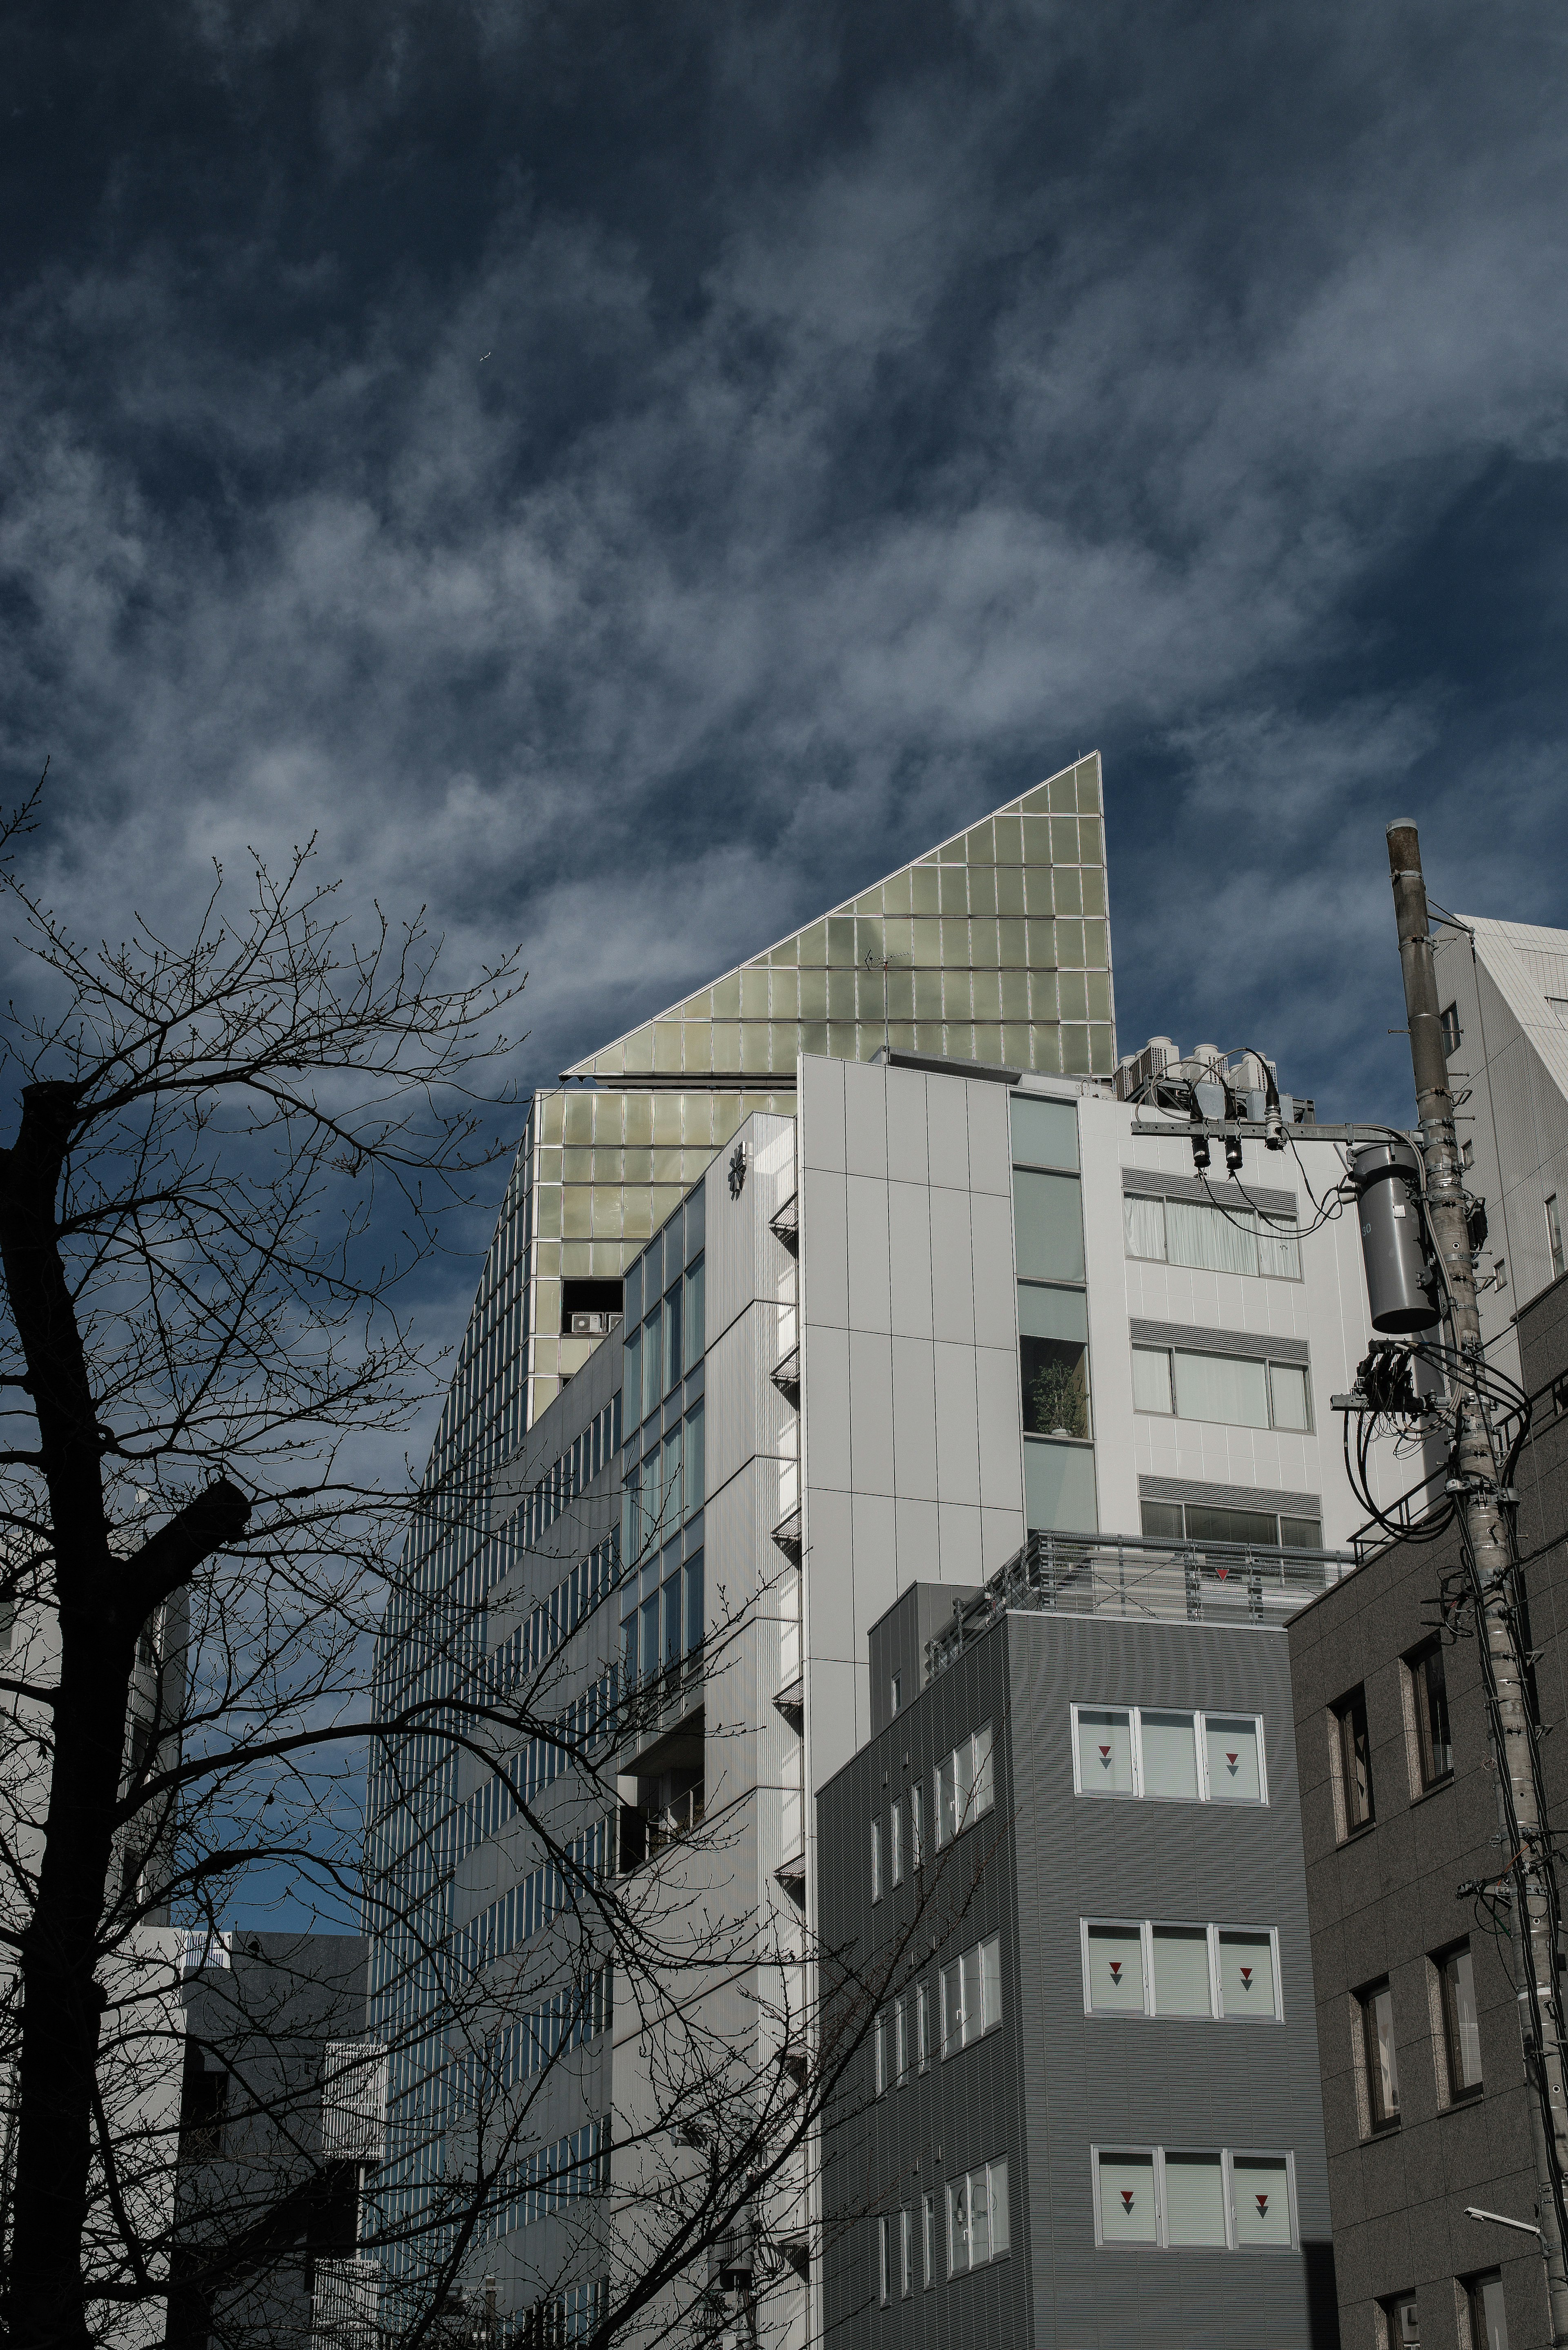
1488,1557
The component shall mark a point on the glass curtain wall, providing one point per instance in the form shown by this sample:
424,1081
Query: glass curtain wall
995,946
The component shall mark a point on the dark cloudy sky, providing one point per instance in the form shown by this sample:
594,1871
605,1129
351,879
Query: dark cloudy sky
628,475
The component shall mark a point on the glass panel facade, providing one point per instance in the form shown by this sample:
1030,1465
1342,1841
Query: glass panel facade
1059,1487
993,947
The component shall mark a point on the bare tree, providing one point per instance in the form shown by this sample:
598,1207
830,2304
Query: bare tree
227,1157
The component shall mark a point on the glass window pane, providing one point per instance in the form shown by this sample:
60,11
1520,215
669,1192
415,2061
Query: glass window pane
1161,1521
1059,1487
1062,1313
696,1466
1382,2056
1288,1387
1194,2200
1145,1221
971,1992
1231,1748
1278,1250
694,1338
952,2008
1464,2026
896,1827
651,1636
672,1363
1126,2199
1053,1374
632,1371
979,2219
1181,1970
1104,1751
694,1604
1432,1714
1115,1971
1247,1975
1170,1756
1262,2199
672,1619
1044,1133
1048,1223
1205,1524
984,1770
1150,1381
1224,1388
1212,1239
958,2227
1001,2218
650,1364
947,1802
1300,1534
963,1783
990,1983
1489,2326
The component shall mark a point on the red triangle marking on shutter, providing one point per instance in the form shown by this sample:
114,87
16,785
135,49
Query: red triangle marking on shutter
1246,1979
1115,1971
1126,2199
1262,2205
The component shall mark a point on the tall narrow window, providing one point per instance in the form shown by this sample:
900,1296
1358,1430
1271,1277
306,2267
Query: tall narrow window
880,2054
1114,1965
1104,1751
1430,1688
672,1334
1452,1033
696,1467
906,2251
875,1860
929,2237
1170,1756
1554,1235
1381,2056
693,1337
1194,2200
901,2040
1489,2326
896,1839
1230,1751
917,1825
1401,2323
1181,1979
923,2026
1462,2026
1261,2201
1354,1760
883,2250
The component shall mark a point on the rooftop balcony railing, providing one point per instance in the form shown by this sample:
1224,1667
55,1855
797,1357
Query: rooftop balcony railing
1134,1578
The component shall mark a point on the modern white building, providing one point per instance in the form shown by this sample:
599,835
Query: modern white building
1504,990
918,1311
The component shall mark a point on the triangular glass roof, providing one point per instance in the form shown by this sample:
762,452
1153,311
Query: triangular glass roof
993,946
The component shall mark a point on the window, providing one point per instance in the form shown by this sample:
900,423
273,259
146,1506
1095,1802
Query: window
978,2218
1453,1035
1232,1390
897,1693
1401,2323
923,2026
1380,2055
1353,1752
1148,1752
965,1784
884,2264
1483,2303
875,1860
695,1464
672,1335
1048,1226
1053,1360
1113,1981
1462,2026
1182,1983
696,1619
693,1337
1554,1235
971,1995
1210,1237
651,1362
1429,1690
896,1841
901,2041
917,1825
929,2239
1197,1522
1171,2199
879,2053
906,2251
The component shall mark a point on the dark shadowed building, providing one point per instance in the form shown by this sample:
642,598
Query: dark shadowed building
1425,2105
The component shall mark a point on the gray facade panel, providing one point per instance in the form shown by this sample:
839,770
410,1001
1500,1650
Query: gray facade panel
1055,2081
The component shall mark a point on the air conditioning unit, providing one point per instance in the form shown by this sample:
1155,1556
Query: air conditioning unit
592,1326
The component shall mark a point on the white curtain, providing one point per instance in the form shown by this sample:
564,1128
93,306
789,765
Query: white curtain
1221,1387
1145,1221
1278,1250
1212,1239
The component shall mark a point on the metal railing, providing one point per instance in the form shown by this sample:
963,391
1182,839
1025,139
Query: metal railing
1136,1579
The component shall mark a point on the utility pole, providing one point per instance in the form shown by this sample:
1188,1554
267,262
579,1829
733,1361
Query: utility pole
1493,1578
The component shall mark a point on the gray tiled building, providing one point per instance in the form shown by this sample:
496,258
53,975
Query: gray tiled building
1424,2101
1127,2147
